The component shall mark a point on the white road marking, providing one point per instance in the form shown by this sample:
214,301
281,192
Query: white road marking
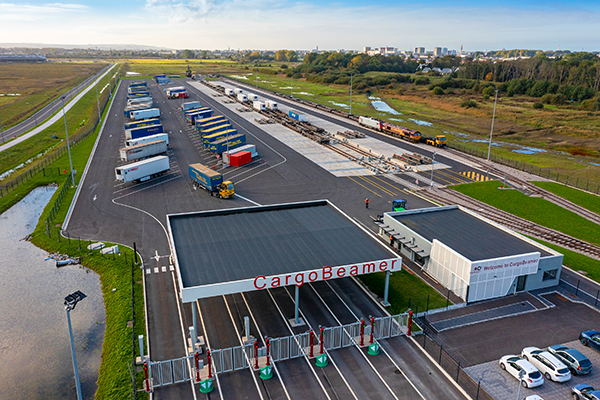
95,197
207,345
156,270
171,268
164,269
156,256
148,270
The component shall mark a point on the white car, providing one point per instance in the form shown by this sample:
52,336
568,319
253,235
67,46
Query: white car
552,368
533,397
515,364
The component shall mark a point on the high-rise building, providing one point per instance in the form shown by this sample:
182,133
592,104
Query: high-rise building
419,50
437,51
366,49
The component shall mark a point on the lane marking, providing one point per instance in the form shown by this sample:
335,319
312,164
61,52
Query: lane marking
237,334
380,345
156,270
358,183
207,346
262,338
164,269
292,333
380,187
248,200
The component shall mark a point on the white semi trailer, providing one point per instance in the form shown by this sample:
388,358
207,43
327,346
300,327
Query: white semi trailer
142,170
143,150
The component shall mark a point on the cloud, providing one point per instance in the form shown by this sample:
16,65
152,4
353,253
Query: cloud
17,12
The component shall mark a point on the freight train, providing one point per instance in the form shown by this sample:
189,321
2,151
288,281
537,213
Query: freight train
401,132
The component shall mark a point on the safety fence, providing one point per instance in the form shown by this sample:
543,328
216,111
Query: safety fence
250,355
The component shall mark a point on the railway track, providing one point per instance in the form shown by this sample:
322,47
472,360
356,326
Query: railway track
449,196
531,189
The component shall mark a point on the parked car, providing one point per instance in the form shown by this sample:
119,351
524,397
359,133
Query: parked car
585,392
533,397
514,364
577,363
551,367
590,338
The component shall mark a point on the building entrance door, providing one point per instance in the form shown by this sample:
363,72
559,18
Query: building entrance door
521,283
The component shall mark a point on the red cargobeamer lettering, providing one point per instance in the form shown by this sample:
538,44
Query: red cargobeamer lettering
327,273
256,279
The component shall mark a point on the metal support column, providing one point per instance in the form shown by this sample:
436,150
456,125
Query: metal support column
195,338
296,306
76,371
386,289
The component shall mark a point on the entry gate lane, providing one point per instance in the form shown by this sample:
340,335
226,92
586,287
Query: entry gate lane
357,369
296,374
221,334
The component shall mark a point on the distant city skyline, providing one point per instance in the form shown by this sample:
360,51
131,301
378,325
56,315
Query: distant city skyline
269,24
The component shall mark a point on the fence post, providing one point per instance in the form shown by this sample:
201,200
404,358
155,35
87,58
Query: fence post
267,340
440,358
448,299
311,346
478,385
427,308
577,288
256,354
457,371
209,365
596,302
322,340
362,332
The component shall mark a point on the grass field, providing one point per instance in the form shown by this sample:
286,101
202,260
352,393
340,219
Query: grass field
405,289
579,197
517,124
38,85
80,118
534,209
578,262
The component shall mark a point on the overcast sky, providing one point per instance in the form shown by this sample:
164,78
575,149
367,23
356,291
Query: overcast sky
330,25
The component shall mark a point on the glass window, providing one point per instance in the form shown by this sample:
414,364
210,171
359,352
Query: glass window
550,274
535,374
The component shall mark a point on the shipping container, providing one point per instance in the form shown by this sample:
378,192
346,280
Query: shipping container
142,170
203,124
229,92
370,122
221,127
297,116
190,105
215,137
139,124
138,84
252,97
143,150
242,97
249,147
271,105
221,146
237,91
145,114
193,110
258,105
142,131
191,118
136,89
240,158
146,139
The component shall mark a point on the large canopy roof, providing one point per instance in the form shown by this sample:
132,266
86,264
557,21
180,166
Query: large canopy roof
236,250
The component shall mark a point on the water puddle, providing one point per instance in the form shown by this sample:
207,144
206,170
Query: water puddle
339,104
131,73
304,93
239,77
419,122
34,337
528,150
596,164
382,106
396,119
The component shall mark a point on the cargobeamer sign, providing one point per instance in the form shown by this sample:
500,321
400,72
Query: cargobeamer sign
294,278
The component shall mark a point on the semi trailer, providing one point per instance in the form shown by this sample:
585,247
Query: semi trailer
142,170
143,150
138,115
146,139
211,181
143,131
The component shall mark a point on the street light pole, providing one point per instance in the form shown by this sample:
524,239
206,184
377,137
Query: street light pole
521,375
351,76
98,102
68,145
70,303
492,131
432,161
292,86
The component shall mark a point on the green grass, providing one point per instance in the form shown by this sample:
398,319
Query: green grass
534,209
579,197
405,288
38,85
80,118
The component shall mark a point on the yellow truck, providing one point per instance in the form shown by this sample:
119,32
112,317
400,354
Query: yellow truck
211,181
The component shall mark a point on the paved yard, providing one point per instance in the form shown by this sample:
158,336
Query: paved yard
503,386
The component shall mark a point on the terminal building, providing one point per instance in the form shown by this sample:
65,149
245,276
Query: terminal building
474,257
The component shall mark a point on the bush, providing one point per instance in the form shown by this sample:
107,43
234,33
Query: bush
489,91
591,104
422,81
283,66
538,105
469,104
557,99
438,91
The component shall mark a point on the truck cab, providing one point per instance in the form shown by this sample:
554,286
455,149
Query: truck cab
399,205
438,141
226,190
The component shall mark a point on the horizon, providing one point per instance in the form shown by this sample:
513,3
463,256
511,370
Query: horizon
329,25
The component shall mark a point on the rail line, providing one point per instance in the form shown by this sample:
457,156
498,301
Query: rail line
531,188
449,196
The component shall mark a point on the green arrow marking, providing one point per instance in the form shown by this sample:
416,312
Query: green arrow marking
266,372
322,360
373,349
206,386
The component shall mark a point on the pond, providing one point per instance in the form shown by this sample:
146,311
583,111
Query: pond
34,336
382,106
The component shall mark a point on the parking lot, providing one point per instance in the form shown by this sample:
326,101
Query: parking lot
501,385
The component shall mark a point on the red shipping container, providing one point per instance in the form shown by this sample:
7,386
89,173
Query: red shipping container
240,158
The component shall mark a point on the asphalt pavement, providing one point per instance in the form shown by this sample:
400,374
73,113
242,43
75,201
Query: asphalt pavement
136,212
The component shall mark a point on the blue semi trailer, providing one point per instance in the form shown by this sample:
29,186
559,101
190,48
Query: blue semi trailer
139,124
221,146
143,131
